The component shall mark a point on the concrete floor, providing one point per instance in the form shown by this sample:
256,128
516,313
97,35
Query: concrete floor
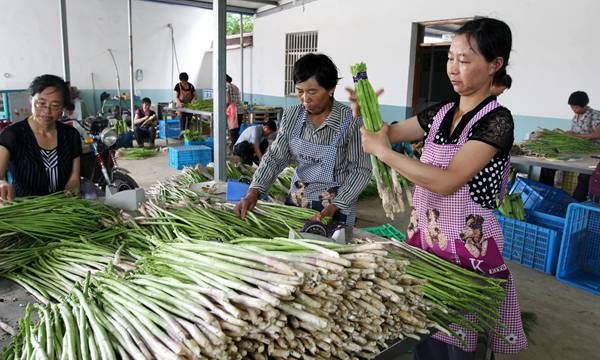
568,318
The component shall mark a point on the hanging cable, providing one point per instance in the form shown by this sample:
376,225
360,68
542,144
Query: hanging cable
118,83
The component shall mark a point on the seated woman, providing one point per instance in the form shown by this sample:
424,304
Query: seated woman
41,152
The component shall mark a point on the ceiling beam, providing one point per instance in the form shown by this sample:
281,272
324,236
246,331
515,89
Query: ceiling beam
208,5
266,2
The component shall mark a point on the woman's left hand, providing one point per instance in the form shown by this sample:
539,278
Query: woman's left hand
375,142
328,211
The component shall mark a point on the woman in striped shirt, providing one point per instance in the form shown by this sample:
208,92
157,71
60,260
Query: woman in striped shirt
322,137
41,153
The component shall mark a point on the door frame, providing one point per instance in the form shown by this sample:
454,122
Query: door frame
416,50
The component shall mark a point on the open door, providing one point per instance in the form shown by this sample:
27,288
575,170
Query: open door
431,84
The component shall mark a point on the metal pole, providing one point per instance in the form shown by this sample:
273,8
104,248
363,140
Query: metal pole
219,63
65,41
94,95
131,86
242,56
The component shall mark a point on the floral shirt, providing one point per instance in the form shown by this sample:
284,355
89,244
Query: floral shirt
587,122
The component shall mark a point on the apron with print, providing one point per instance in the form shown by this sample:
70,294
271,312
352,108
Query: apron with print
458,229
313,184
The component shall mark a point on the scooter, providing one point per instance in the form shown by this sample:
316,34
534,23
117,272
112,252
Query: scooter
99,164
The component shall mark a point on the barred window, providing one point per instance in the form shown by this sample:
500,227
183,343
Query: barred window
296,45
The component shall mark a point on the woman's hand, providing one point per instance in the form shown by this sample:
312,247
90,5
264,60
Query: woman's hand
247,203
7,191
375,143
327,212
354,100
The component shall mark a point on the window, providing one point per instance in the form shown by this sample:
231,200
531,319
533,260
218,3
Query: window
296,45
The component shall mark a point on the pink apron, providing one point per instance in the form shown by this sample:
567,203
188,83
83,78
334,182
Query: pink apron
458,229
231,112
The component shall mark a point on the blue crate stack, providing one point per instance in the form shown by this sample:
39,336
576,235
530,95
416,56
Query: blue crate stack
181,156
169,127
579,259
534,243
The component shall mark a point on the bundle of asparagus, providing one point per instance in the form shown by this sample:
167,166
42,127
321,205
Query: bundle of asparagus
388,186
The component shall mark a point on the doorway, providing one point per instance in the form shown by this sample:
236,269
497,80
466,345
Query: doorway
431,84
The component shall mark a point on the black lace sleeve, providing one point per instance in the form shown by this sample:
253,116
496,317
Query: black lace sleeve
426,116
495,129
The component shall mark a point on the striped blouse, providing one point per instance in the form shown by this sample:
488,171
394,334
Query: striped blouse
50,159
352,165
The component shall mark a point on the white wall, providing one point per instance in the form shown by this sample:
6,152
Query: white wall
554,51
32,42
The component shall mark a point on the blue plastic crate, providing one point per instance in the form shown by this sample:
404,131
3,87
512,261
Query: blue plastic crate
540,197
236,191
579,259
181,156
552,222
529,244
208,142
206,93
172,129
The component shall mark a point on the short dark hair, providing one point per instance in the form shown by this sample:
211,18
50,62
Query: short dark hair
43,82
493,38
147,100
579,98
271,124
184,76
228,78
318,65
505,81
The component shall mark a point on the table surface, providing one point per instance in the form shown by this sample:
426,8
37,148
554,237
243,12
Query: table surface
583,164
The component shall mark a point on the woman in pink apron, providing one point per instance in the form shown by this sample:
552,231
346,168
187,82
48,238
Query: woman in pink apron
184,94
462,171
321,136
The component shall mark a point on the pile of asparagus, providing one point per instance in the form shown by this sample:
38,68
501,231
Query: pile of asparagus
232,301
554,143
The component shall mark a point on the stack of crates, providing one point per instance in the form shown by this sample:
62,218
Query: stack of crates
579,259
169,128
535,243
181,156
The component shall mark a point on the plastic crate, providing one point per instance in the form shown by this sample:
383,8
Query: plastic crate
387,231
236,191
208,142
569,182
579,259
171,130
529,244
181,156
540,197
207,94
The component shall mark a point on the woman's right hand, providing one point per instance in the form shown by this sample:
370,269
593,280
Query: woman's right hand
247,203
354,100
7,191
